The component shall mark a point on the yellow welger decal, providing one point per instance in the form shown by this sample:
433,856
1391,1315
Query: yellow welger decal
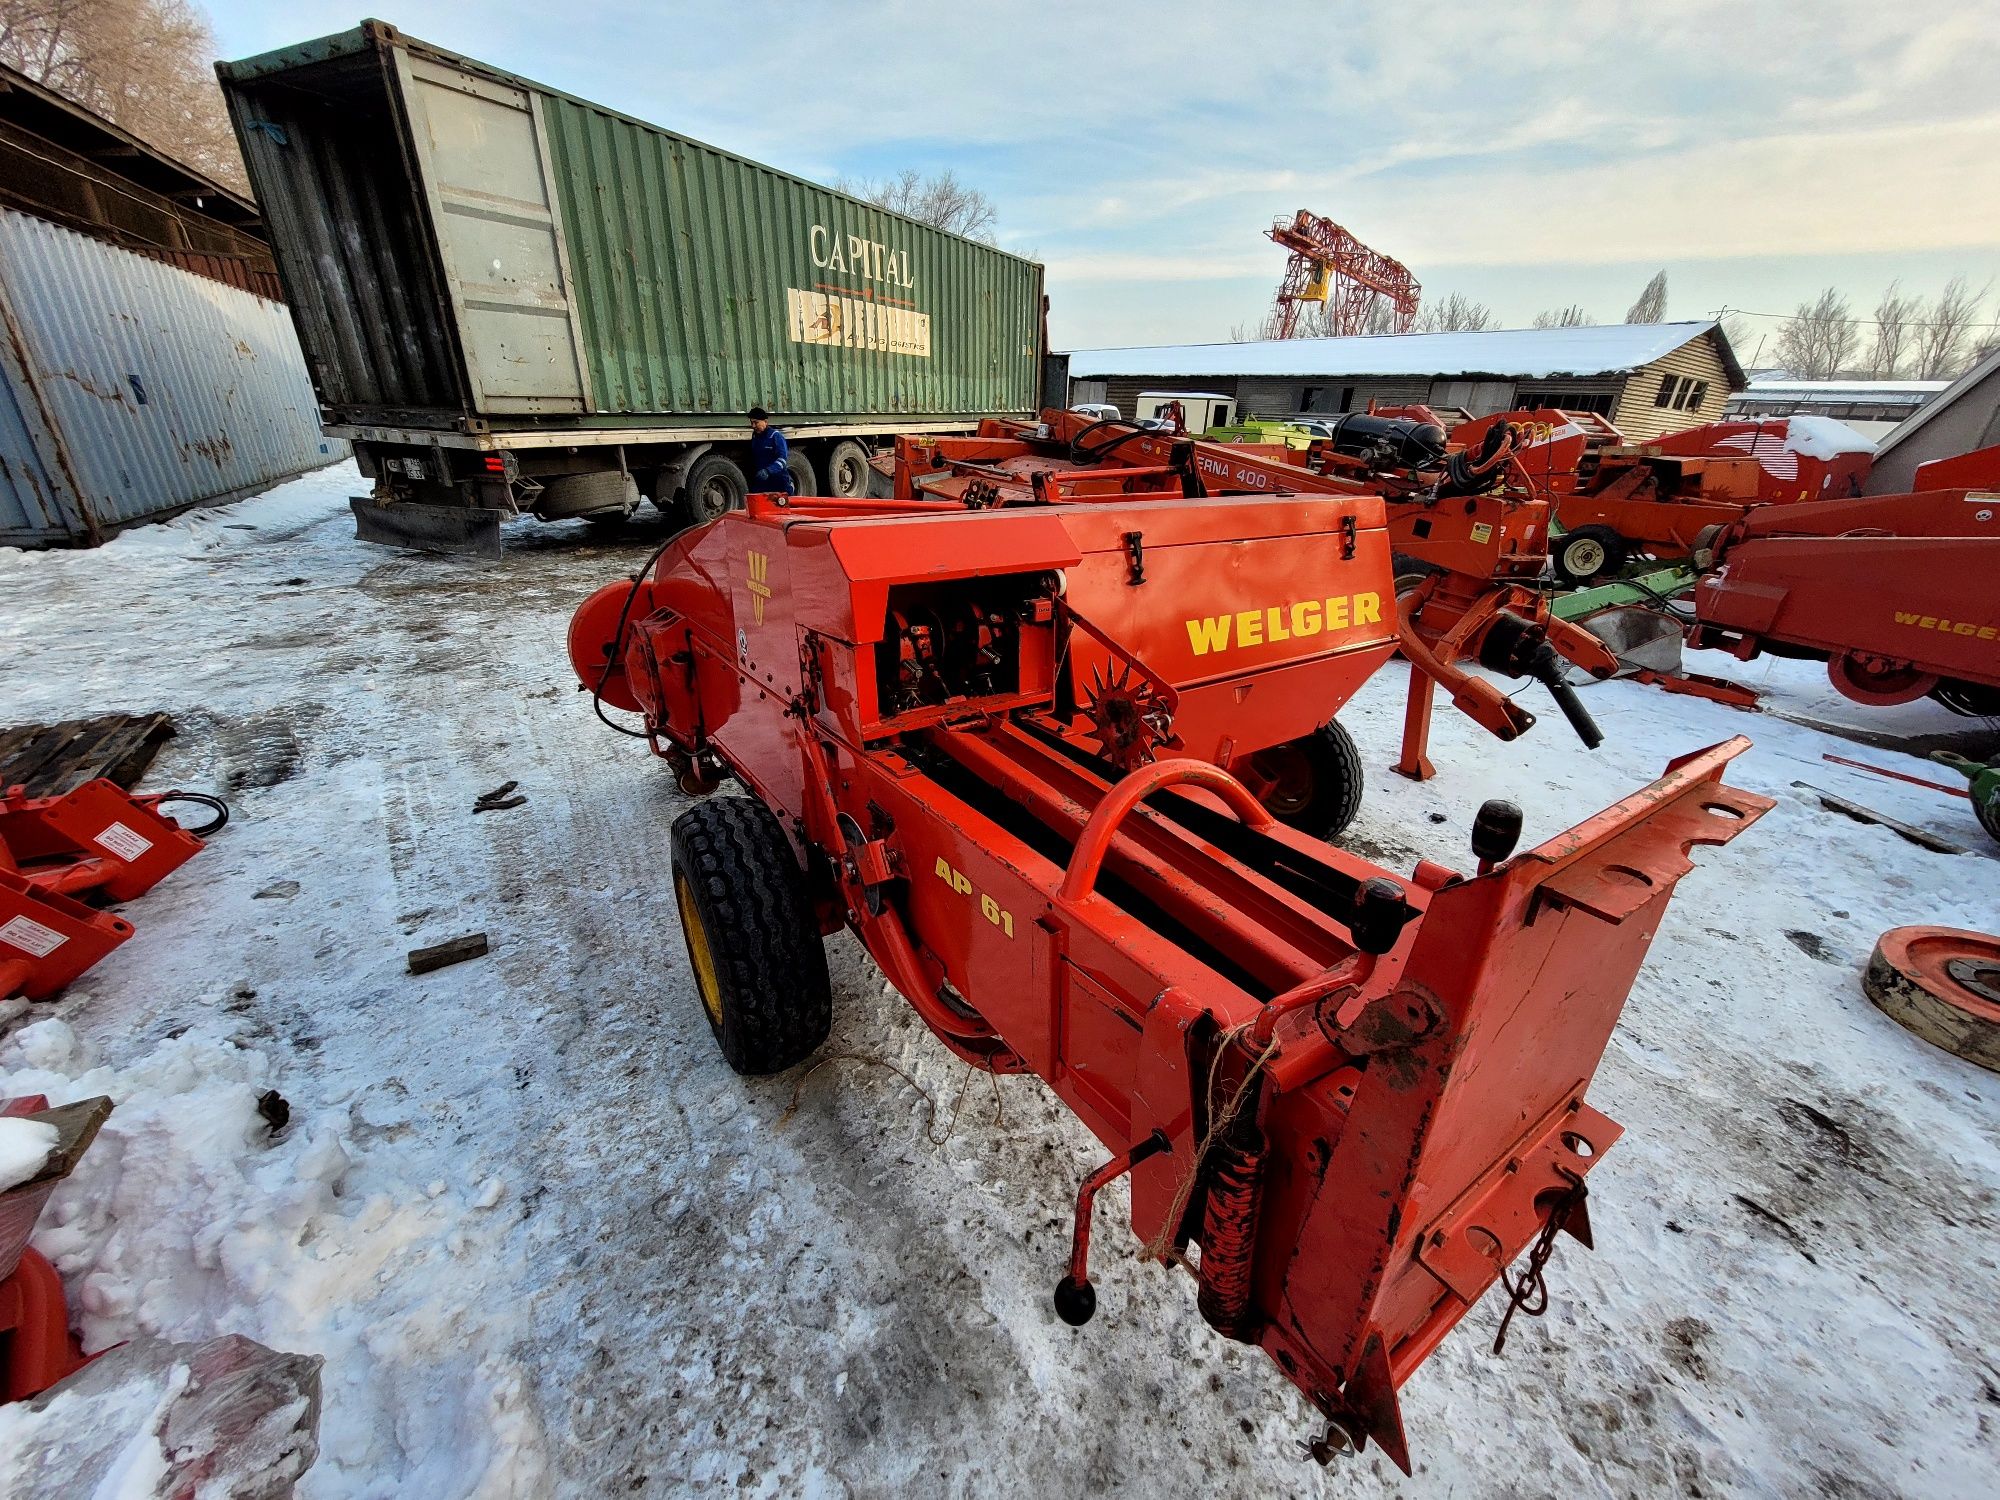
760,586
1300,620
1948,627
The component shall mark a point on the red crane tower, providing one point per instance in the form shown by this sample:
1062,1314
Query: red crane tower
1331,267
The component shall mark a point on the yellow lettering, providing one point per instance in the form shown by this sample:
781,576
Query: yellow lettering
1249,628
1367,609
1274,624
1988,632
1211,634
1336,612
1305,617
1961,628
1929,622
1903,618
943,870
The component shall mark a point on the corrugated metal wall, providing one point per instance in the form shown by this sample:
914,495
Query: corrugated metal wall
687,263
135,389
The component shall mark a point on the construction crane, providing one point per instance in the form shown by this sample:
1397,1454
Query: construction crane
1331,267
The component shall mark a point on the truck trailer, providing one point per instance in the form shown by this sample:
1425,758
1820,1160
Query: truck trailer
516,301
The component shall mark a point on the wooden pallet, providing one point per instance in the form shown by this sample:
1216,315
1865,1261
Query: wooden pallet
51,759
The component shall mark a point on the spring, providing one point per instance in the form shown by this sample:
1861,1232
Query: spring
1229,1231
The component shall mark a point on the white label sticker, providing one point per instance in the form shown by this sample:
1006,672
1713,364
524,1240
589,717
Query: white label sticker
123,842
31,936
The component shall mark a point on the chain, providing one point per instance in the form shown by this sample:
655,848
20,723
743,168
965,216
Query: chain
1531,1293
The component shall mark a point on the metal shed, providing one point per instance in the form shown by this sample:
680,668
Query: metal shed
131,389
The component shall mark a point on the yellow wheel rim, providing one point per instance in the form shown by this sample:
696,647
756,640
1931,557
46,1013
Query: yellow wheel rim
698,954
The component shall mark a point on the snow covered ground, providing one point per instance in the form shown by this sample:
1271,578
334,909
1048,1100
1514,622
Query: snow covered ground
548,1244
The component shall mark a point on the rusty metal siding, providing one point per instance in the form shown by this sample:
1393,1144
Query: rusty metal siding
137,389
688,265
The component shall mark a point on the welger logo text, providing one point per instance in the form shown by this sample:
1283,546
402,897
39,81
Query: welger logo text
1948,627
1283,622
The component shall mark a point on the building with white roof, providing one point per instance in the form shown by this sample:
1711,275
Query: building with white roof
1648,378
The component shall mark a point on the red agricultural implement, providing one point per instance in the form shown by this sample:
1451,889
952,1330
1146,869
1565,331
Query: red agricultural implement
1346,1100
59,857
1900,594
1467,526
1618,500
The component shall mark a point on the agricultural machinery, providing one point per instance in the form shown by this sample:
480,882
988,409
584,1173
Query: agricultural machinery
990,727
1465,533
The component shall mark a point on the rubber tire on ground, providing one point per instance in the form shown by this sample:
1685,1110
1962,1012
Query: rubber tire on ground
715,485
1613,549
847,469
804,480
1338,780
753,943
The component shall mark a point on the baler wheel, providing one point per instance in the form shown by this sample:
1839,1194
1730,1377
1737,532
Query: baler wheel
1943,984
1589,553
1312,783
752,939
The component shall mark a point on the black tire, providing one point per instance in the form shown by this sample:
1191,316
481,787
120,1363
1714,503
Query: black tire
759,965
804,480
1586,555
714,486
1971,700
847,469
1313,783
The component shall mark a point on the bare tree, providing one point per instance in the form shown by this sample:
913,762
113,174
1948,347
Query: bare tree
1820,338
1572,316
939,200
1652,304
1457,313
1944,329
142,64
1895,313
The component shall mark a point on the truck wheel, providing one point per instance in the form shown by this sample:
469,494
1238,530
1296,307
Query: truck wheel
1587,554
1312,783
715,485
804,481
759,966
847,469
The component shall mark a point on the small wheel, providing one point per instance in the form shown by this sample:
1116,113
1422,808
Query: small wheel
1312,783
804,480
847,469
715,486
1878,683
759,965
1587,554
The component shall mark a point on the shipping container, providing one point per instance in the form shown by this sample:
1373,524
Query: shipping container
131,389
515,299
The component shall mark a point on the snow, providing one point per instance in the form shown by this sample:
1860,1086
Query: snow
548,1245
24,1146
1604,349
1822,437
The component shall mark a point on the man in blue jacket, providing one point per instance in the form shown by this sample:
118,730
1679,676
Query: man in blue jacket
770,474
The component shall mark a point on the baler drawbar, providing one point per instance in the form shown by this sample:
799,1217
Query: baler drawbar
1345,1100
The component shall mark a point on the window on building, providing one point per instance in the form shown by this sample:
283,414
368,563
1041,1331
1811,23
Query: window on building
1312,397
1681,393
1347,398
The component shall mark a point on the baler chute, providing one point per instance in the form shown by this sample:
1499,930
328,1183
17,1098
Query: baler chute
1345,1099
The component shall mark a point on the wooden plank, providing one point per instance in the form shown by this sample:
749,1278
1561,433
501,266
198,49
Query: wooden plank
1861,814
452,951
51,759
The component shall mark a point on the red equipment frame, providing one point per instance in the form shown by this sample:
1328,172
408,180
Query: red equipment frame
96,843
1897,592
1360,1096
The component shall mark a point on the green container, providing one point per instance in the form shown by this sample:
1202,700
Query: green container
467,250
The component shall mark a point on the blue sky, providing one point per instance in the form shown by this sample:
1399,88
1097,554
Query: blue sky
1526,154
